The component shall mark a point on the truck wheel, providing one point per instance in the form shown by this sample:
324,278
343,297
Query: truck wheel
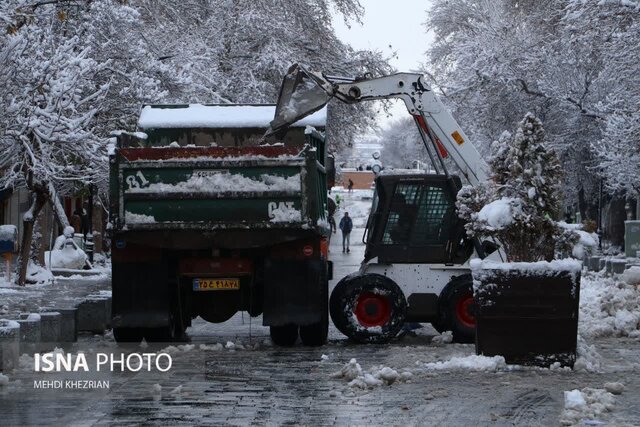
315,335
285,335
172,333
127,335
457,310
369,308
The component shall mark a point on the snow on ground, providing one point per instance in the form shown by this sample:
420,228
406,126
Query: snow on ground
375,377
39,275
469,363
587,406
357,203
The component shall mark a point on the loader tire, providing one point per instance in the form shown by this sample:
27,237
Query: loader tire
368,308
457,310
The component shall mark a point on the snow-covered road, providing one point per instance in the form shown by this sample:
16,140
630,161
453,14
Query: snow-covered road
231,374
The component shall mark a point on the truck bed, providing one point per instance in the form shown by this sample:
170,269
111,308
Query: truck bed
217,188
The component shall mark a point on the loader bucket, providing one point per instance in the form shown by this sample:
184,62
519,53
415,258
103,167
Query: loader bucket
302,93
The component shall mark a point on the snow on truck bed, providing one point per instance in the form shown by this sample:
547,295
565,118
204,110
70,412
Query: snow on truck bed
219,116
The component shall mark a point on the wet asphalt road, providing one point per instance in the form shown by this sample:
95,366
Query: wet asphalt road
264,385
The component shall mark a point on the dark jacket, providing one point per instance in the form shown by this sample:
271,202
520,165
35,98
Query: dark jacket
346,224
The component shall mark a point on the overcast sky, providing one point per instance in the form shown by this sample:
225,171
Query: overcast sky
391,26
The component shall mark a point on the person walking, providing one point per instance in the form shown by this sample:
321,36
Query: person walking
350,187
346,225
331,208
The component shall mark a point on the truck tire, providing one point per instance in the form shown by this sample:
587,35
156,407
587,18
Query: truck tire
456,310
285,335
315,335
127,335
368,308
174,332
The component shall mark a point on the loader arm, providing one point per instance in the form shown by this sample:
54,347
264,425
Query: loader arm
304,92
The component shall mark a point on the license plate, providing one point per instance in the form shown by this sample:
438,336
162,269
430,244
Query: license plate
215,284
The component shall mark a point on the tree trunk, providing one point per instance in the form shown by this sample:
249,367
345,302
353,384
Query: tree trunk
57,207
38,202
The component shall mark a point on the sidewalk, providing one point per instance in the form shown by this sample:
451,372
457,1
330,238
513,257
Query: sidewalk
65,293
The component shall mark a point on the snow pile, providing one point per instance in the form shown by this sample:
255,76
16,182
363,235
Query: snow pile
376,377
586,406
38,275
69,256
4,380
224,181
631,276
444,338
586,240
26,362
499,213
470,363
219,116
176,391
588,358
608,306
156,391
134,218
172,349
214,347
284,213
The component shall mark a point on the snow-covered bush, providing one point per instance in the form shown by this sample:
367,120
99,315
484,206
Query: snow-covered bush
519,204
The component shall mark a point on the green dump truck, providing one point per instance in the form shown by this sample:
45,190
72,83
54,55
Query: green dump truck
207,219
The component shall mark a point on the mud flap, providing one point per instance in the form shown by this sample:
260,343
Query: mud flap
140,295
293,292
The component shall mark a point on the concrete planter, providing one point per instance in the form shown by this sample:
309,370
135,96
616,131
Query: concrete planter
618,266
68,324
50,330
9,345
30,333
528,312
92,315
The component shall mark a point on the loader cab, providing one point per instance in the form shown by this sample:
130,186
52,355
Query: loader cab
413,220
